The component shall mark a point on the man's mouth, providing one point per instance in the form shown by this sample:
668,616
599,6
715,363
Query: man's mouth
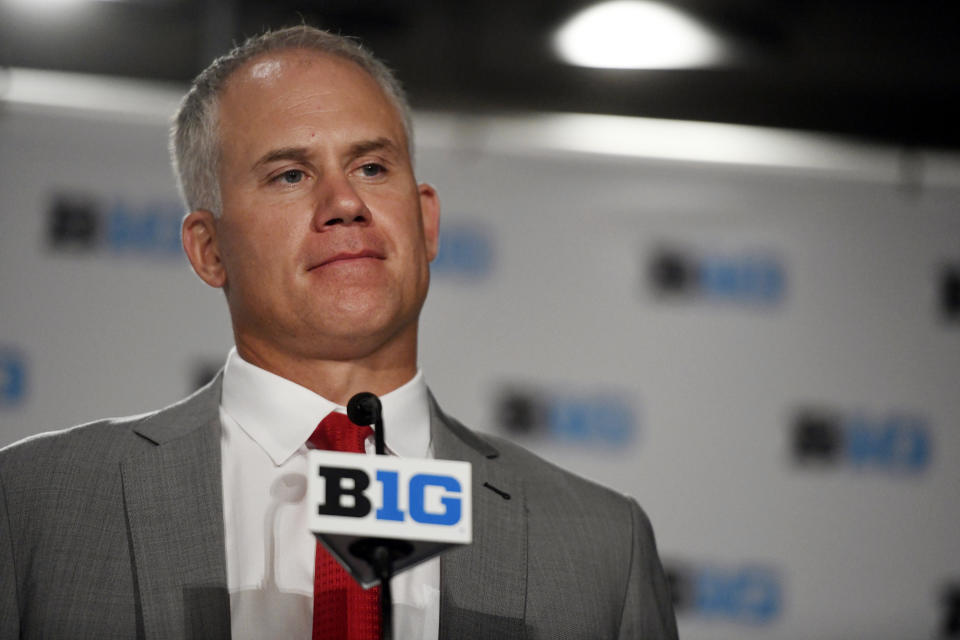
345,256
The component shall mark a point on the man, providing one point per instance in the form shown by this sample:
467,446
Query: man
293,153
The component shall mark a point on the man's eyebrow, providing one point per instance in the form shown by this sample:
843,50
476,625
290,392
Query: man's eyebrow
299,154
366,146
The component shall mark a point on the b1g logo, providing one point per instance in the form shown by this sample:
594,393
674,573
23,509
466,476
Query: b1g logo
895,442
81,223
392,497
465,251
345,489
754,277
585,418
13,378
749,594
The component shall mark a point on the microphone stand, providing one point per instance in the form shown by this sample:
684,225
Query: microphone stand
365,409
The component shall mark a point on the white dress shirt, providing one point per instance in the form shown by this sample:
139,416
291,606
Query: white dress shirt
270,552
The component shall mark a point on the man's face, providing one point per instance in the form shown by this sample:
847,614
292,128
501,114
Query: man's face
325,236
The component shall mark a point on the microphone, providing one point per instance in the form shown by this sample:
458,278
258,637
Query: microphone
364,408
380,515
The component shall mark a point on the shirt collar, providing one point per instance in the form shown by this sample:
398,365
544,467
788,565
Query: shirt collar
279,415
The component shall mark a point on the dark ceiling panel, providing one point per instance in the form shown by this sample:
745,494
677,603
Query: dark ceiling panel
884,69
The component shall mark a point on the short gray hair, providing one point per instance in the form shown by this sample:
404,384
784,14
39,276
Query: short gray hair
194,136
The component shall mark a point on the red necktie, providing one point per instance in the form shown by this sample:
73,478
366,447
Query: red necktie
342,609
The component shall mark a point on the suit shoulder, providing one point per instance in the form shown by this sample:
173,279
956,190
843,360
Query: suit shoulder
537,474
111,439
537,468
100,438
546,479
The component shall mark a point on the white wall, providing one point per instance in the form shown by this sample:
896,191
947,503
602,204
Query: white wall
816,274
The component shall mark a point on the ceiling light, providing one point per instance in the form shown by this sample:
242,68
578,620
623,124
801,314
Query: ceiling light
636,34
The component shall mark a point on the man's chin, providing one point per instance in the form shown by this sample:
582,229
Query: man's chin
355,346
358,329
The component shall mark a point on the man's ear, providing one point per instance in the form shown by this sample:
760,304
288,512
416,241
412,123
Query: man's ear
199,233
430,213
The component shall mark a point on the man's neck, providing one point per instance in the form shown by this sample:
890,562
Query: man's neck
336,380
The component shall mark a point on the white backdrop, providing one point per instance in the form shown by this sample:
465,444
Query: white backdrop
756,333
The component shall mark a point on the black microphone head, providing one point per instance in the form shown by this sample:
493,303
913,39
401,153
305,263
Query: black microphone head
364,408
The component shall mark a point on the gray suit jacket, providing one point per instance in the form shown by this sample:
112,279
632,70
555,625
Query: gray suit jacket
115,530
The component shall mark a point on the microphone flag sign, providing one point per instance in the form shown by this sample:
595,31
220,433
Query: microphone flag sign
421,506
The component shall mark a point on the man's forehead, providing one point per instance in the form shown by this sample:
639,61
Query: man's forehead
265,69
292,75
273,66
274,82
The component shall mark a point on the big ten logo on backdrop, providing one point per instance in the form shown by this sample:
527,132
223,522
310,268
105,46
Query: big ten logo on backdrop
755,277
13,377
894,441
950,292
741,594
950,607
466,251
572,416
82,223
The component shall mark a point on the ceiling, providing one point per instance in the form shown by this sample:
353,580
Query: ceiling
881,70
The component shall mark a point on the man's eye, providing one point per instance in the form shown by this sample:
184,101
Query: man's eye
372,170
293,176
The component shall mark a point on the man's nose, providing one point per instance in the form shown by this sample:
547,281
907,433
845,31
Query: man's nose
341,205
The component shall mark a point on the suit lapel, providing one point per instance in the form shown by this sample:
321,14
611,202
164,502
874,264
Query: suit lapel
174,506
484,585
